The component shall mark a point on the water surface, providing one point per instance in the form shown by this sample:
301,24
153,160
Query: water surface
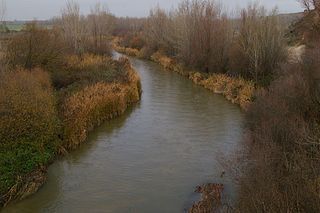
150,159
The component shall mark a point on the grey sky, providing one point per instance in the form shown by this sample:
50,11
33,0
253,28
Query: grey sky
44,9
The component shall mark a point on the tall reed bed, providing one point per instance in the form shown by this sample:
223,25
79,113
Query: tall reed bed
40,120
235,89
28,126
88,108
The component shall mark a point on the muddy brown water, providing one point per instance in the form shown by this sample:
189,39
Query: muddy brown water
151,158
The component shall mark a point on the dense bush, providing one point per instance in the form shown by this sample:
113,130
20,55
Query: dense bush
259,48
28,124
284,149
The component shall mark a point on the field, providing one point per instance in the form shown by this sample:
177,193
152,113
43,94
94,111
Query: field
19,25
15,27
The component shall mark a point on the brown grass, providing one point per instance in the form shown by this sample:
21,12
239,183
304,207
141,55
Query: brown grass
29,127
236,90
94,104
27,106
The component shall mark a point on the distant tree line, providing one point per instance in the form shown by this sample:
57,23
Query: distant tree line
201,35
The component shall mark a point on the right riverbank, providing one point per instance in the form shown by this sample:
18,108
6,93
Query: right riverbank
235,89
279,170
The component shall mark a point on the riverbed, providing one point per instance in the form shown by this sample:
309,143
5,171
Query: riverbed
151,158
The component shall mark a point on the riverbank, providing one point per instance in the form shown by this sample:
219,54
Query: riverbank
44,122
235,89
143,160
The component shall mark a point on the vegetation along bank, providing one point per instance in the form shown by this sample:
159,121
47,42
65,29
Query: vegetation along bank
55,87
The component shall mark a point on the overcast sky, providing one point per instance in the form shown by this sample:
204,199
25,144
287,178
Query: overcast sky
45,9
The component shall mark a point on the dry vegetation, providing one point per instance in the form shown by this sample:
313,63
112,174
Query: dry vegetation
57,86
282,163
84,110
29,125
235,89
284,144
228,57
201,36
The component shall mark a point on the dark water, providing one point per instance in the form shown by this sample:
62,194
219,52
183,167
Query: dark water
150,159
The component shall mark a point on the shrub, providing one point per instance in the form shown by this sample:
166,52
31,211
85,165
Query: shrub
283,170
36,47
259,48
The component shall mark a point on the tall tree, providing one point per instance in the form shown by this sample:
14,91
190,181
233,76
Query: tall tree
73,26
310,4
100,26
260,44
3,10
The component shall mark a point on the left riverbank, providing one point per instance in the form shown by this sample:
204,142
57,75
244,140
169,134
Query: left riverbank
51,97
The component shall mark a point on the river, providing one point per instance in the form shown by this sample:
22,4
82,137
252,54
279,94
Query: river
151,158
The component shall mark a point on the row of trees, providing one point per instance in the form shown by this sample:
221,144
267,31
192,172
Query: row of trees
72,33
86,33
197,33
201,35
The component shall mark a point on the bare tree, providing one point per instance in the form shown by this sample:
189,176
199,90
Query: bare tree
100,26
310,4
3,10
158,30
73,26
260,44
203,33
306,4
